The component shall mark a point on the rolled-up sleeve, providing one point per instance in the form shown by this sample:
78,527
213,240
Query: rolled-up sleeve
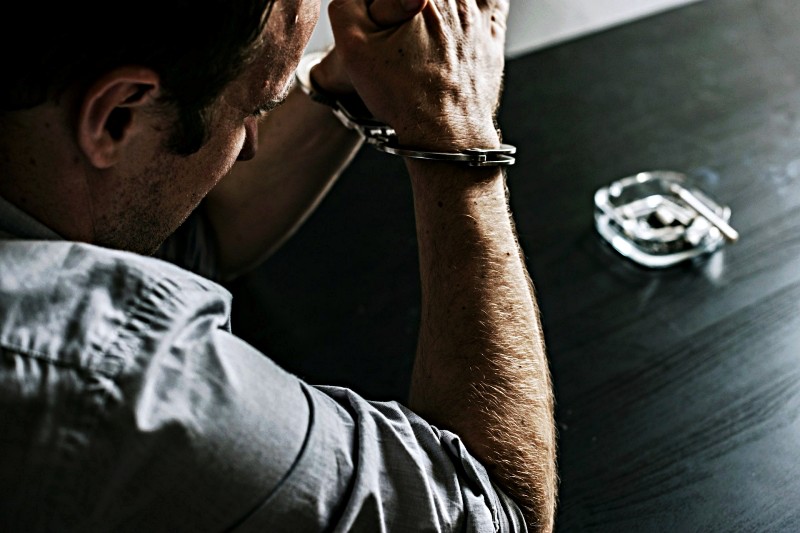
219,438
377,466
222,439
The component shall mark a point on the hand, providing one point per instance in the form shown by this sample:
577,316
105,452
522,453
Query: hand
435,79
330,73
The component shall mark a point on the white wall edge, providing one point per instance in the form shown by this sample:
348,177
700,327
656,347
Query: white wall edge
536,24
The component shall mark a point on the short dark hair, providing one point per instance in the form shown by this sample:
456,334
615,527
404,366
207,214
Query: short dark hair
196,48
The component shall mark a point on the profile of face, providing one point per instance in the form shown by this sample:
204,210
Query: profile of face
160,189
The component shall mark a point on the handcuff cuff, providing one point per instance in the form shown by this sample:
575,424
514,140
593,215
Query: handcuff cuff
352,113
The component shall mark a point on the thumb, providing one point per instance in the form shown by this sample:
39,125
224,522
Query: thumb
330,75
394,12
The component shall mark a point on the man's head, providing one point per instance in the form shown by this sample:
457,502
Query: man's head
136,113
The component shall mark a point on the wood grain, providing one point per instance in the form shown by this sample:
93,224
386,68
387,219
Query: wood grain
678,391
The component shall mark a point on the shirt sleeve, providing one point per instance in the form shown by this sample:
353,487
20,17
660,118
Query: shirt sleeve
192,440
378,467
223,439
202,432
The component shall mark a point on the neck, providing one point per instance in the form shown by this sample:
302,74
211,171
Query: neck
43,173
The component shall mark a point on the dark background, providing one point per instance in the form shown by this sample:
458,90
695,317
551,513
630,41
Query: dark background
678,391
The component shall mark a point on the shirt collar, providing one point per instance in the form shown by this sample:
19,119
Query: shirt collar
16,223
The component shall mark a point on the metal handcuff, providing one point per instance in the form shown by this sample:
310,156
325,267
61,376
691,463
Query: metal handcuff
352,113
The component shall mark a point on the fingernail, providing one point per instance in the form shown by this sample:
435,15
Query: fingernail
411,5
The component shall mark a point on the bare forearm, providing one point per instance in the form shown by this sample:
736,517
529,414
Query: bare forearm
481,368
302,150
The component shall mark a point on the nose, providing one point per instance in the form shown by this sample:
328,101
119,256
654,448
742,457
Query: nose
250,146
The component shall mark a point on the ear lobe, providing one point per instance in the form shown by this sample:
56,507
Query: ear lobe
111,112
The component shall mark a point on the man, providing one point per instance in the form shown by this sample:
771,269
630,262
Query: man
126,402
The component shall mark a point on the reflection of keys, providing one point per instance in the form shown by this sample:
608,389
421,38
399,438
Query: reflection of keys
698,205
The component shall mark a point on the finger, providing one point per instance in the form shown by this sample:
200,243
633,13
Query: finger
495,12
329,74
388,13
500,9
349,23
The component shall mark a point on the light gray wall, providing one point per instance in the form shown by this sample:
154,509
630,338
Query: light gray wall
535,24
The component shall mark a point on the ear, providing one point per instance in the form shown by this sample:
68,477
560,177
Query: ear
111,111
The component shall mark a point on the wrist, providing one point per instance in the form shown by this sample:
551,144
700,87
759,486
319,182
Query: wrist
449,135
435,181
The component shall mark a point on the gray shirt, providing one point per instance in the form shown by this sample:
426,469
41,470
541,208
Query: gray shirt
126,404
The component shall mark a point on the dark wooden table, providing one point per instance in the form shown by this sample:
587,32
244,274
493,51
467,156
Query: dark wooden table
678,390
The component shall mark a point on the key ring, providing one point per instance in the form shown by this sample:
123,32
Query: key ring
353,115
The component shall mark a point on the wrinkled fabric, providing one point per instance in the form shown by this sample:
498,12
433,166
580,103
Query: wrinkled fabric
127,404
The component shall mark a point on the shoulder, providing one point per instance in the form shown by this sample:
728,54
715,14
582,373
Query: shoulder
127,404
71,301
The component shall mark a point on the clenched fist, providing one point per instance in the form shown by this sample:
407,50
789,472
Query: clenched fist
431,69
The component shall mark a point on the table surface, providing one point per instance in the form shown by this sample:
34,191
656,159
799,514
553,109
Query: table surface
678,391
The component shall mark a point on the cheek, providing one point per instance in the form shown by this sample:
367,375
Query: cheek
216,159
